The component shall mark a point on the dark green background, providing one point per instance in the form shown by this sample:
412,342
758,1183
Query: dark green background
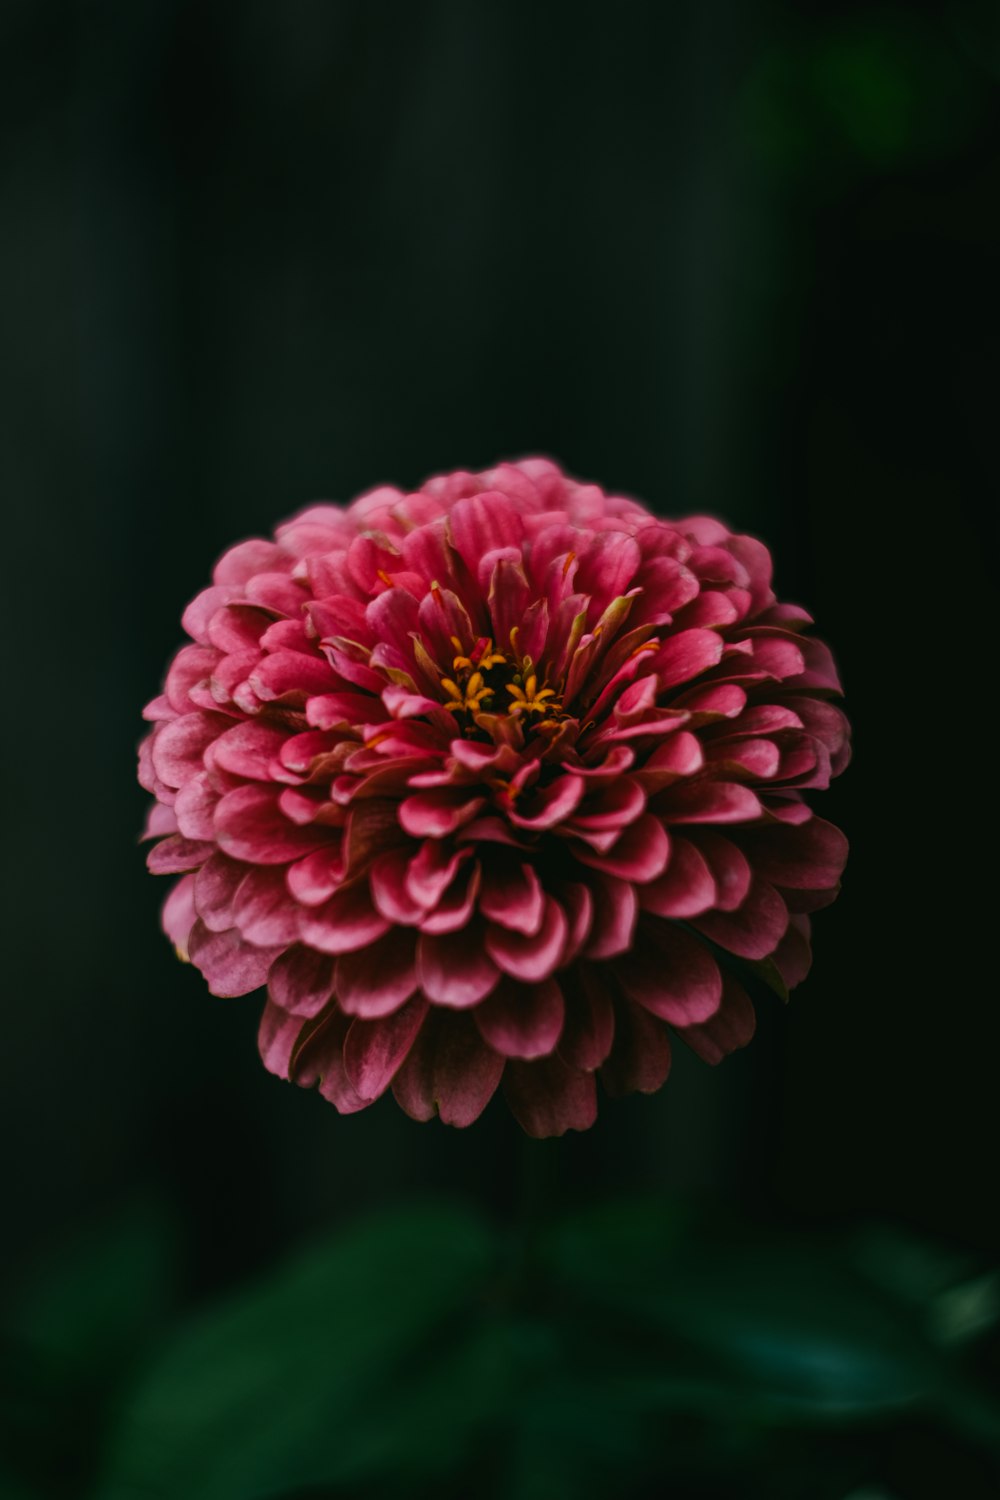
733,257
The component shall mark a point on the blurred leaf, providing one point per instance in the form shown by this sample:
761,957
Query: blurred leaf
91,1303
958,1298
291,1382
766,1327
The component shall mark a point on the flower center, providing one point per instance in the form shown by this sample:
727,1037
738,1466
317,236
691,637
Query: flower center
505,684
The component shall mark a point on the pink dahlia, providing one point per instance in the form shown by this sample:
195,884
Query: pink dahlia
498,781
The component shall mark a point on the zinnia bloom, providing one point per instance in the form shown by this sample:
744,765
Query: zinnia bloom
496,782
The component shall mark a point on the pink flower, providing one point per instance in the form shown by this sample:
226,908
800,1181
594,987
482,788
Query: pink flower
483,781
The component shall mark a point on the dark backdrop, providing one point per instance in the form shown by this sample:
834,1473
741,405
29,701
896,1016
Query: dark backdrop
731,257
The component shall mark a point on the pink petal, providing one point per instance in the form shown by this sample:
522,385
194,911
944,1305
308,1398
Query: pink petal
521,1020
615,913
377,980
215,886
431,872
456,907
387,879
195,807
263,910
512,895
179,915
545,807
455,970
640,854
671,974
247,750
291,677
754,929
709,802
346,922
176,855
685,655
436,814
685,889
728,864
374,1050
313,879
230,965
530,957
251,826
300,981
179,747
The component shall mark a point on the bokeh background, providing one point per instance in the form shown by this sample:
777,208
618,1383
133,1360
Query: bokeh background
736,257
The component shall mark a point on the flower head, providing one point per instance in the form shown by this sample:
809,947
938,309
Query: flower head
496,782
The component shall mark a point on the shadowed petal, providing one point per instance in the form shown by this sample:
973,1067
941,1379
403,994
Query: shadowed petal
640,1058
732,1025
548,1097
374,1050
456,970
671,974
522,1020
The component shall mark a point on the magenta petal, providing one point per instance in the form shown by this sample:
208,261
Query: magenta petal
590,1018
754,929
531,958
320,1060
686,655
615,913
810,856
640,1058
728,864
247,750
577,902
522,1020
215,886
195,807
548,1097
512,895
374,1050
449,1070
671,974
346,922
263,910
709,802
548,806
230,965
301,981
387,879
456,970
457,905
640,854
377,980
435,814
251,826
313,879
685,889
793,955
179,747
277,1037
176,855
732,1025
179,915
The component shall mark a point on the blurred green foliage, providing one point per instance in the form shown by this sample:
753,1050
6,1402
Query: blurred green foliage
427,1350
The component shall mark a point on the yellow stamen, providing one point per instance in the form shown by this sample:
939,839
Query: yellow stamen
385,578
